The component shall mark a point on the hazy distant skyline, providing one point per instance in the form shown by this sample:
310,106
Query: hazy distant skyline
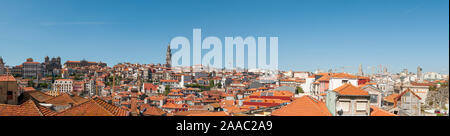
313,34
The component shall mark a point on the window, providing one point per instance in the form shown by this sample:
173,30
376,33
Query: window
263,93
259,101
270,94
373,98
344,81
361,106
252,100
345,106
9,95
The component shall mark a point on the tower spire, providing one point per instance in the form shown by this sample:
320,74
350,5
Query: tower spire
168,57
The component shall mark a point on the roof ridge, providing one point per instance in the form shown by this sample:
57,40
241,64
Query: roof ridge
71,108
112,114
35,106
96,100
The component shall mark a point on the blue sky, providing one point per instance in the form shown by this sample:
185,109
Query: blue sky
312,33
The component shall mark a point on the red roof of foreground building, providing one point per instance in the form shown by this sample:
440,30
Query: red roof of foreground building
27,89
27,108
349,89
208,113
63,99
375,111
303,106
5,78
94,107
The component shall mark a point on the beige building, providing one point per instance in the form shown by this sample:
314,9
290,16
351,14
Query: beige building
9,90
349,101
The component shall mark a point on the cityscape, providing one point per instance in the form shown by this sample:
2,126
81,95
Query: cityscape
269,58
86,88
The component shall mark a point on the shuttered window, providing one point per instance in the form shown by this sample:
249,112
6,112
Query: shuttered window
345,106
361,106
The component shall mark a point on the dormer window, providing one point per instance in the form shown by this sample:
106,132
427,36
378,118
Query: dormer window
344,81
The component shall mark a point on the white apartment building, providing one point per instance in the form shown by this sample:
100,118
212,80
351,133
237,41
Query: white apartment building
63,85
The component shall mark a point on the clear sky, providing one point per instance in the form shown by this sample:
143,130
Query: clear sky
312,33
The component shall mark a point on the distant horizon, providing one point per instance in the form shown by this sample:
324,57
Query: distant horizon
365,71
325,34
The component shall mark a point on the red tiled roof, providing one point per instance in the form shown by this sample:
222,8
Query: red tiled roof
27,108
421,84
6,78
173,106
303,106
375,111
168,80
152,110
63,99
27,89
31,63
94,107
45,111
391,97
349,89
39,96
343,75
150,86
208,113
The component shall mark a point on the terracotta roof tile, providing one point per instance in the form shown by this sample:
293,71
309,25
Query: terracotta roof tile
207,113
152,111
349,89
303,106
39,96
391,97
375,111
8,78
94,107
63,99
27,108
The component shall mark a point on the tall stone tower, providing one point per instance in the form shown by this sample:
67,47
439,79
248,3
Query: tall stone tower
2,66
419,73
168,57
360,70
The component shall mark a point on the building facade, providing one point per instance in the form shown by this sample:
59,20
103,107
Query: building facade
51,67
82,63
9,90
32,69
2,66
63,86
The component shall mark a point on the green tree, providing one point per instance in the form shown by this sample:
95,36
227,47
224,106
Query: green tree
167,90
211,84
43,85
299,90
432,88
30,83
